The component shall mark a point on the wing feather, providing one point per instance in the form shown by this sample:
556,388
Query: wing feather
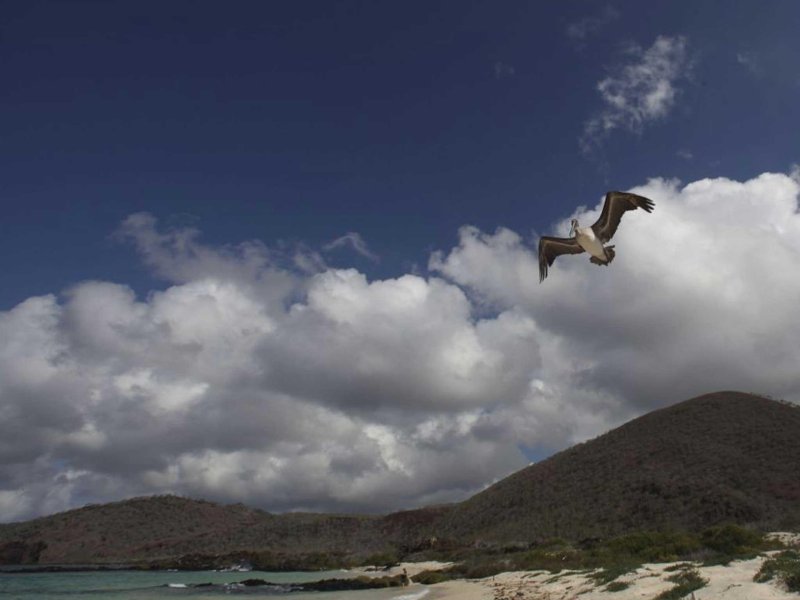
550,248
614,207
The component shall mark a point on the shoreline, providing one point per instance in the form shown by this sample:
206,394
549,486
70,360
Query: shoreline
734,581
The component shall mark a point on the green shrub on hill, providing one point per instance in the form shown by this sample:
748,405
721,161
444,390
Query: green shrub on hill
382,559
732,539
654,546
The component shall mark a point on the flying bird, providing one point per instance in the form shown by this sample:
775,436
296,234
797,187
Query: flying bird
592,239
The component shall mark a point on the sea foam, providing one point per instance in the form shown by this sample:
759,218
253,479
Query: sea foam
414,596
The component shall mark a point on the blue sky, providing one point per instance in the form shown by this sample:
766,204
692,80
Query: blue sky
318,220
303,121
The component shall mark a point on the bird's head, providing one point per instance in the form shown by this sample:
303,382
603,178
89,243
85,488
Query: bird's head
573,227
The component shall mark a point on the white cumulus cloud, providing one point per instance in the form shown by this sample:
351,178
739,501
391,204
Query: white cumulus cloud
246,380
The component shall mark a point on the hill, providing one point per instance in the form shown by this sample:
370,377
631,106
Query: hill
718,458
165,527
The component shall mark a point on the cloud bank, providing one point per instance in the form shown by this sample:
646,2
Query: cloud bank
253,378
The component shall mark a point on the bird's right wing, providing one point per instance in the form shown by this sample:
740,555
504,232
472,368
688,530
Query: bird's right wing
615,205
550,247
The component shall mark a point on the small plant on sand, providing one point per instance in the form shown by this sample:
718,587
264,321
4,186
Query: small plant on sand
685,582
617,586
610,573
785,567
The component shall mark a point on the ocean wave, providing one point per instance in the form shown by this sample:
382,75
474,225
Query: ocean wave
231,588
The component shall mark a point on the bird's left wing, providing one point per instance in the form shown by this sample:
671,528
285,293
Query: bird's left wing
615,205
550,248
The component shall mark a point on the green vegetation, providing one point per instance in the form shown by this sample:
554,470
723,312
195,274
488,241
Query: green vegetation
731,541
685,583
655,546
382,559
312,561
610,574
785,567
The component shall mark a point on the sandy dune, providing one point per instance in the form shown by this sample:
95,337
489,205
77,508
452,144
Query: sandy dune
731,582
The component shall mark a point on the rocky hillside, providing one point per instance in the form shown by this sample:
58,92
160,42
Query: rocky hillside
724,457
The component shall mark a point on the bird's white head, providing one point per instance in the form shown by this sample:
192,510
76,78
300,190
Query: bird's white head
573,227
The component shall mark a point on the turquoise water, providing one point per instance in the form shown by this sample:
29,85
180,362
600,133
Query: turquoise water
148,585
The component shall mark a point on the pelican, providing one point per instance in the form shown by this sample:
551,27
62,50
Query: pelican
591,239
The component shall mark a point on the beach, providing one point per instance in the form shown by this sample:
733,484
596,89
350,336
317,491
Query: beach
728,582
722,582
733,581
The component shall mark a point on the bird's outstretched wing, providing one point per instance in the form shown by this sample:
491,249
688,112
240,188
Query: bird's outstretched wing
550,247
615,205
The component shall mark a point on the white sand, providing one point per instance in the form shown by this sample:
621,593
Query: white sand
731,582
461,590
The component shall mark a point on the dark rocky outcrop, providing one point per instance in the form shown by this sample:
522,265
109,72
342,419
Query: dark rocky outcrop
358,583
